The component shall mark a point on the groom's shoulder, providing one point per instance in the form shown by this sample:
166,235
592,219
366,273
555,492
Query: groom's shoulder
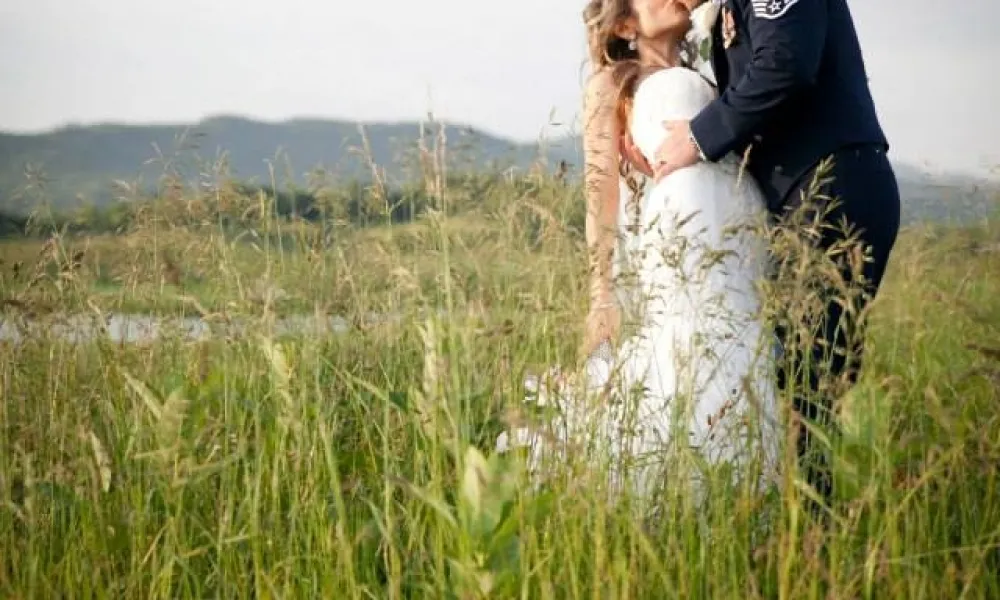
774,11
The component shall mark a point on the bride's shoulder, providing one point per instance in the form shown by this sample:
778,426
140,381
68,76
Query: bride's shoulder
600,83
674,85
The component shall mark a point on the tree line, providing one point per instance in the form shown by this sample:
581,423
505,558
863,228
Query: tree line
236,204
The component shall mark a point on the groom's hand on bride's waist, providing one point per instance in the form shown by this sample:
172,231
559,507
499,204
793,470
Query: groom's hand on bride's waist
678,150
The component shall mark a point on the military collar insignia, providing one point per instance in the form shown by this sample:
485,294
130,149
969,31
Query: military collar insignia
728,28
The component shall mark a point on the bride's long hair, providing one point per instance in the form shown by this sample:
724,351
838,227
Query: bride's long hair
609,51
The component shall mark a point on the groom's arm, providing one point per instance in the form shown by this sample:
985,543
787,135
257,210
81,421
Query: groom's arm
787,46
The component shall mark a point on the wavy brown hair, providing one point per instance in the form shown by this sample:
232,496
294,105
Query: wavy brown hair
609,51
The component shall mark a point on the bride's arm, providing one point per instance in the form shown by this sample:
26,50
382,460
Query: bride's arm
601,182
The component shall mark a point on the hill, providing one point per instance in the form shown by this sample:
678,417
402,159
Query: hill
81,163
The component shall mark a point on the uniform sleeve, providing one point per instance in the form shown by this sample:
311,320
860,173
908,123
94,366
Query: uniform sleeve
787,39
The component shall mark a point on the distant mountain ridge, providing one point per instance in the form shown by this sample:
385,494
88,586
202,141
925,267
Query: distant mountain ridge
84,160
81,163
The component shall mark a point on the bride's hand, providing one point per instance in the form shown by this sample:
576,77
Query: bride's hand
603,324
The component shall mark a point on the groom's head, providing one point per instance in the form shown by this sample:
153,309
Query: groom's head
620,30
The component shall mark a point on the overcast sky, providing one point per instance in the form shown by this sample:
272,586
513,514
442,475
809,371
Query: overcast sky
504,66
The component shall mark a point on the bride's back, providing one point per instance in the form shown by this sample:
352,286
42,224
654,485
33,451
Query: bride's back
668,94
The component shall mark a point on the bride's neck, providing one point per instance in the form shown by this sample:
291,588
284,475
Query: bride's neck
661,53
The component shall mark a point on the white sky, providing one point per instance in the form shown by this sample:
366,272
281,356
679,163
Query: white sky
501,66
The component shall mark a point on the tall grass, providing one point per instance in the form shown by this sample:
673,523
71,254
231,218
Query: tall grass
360,465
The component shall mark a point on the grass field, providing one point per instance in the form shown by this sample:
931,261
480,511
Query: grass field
360,466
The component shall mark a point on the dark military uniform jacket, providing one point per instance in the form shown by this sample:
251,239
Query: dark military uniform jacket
792,88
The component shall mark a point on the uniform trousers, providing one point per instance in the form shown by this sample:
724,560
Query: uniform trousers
861,190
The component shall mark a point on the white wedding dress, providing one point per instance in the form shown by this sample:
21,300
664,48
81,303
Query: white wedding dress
695,379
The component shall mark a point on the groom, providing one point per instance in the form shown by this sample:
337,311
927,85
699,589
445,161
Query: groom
793,92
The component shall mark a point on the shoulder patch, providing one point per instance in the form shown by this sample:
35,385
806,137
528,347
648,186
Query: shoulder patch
771,9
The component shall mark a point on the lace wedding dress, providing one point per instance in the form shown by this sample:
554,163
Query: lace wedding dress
695,379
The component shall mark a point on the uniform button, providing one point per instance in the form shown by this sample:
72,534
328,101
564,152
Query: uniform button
758,138
778,169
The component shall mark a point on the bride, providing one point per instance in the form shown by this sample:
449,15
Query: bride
694,378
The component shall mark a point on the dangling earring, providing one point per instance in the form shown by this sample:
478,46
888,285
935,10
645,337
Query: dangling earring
632,45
